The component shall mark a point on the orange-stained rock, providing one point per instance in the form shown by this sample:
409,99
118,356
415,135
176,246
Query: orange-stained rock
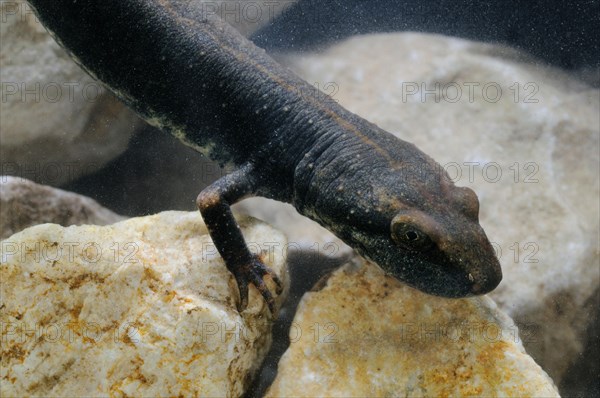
366,334
144,307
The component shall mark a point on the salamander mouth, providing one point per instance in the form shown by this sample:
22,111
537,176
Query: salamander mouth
435,279
440,278
435,273
457,283
451,291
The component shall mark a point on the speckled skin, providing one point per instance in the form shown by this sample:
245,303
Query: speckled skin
199,79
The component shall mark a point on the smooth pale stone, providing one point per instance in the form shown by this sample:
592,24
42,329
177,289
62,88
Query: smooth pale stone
144,307
530,152
24,203
57,123
362,333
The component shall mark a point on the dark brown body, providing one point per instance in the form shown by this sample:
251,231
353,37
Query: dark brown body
197,78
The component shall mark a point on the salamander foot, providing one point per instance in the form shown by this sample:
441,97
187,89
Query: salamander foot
254,273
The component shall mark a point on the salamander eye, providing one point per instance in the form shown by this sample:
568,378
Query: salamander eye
410,237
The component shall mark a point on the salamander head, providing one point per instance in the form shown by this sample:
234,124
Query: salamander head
451,245
437,246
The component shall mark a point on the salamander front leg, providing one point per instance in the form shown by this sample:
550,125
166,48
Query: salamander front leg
214,205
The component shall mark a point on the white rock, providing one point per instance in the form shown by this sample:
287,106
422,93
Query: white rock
366,334
143,307
24,204
542,211
57,122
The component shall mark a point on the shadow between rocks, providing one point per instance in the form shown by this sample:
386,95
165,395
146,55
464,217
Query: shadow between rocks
156,173
306,269
583,378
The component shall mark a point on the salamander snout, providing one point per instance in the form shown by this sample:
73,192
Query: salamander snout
488,283
480,263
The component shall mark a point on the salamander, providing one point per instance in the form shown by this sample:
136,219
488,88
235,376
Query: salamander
196,77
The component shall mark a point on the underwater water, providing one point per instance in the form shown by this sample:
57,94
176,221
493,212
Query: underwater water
503,95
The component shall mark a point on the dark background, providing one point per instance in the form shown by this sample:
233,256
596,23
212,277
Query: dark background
562,33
